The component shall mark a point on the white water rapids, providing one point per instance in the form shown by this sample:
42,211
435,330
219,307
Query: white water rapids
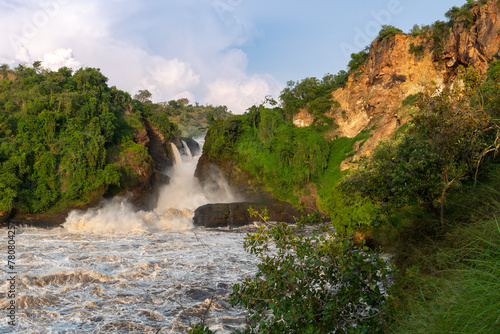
114,270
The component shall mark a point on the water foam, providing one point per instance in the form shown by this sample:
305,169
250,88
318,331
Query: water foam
118,216
117,283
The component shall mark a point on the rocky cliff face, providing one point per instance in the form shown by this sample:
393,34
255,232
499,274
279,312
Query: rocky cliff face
150,173
374,94
478,45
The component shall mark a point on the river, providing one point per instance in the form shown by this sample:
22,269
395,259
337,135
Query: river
116,270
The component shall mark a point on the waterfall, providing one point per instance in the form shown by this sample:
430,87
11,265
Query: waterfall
177,155
174,208
200,143
188,151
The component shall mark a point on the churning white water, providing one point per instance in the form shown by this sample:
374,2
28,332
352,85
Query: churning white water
115,270
136,282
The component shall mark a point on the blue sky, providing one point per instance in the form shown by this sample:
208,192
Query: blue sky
231,52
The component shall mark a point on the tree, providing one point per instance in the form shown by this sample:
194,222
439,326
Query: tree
358,59
183,102
37,66
144,96
4,68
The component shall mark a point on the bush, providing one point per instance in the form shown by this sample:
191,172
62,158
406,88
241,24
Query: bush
417,50
388,31
312,284
358,59
420,30
312,93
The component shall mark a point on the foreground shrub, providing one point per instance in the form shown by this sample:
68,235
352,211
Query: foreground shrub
319,283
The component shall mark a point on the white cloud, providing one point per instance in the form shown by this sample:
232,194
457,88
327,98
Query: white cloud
167,79
22,54
173,49
60,58
239,95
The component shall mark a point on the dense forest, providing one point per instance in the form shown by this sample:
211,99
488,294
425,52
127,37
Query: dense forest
428,195
67,138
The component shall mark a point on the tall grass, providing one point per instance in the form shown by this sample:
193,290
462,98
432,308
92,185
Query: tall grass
462,299
453,286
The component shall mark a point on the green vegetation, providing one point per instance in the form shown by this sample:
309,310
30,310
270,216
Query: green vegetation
314,95
266,144
410,100
439,224
358,59
388,31
193,120
429,195
417,50
287,159
178,117
448,280
448,139
440,32
311,284
67,138
420,30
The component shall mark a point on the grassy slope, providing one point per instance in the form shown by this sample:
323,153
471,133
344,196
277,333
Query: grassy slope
451,283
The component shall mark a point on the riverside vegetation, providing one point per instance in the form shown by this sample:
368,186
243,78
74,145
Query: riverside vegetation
428,195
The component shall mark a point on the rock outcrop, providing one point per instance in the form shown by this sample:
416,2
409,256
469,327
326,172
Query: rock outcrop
374,94
193,145
4,216
150,173
478,45
236,214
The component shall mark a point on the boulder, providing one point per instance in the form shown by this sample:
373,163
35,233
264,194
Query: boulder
236,214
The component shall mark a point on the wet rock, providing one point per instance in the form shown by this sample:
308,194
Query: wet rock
243,186
236,214
193,145
157,147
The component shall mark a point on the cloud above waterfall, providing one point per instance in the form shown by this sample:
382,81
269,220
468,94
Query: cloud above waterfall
232,52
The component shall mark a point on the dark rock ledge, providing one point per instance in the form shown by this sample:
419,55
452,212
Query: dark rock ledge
236,214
